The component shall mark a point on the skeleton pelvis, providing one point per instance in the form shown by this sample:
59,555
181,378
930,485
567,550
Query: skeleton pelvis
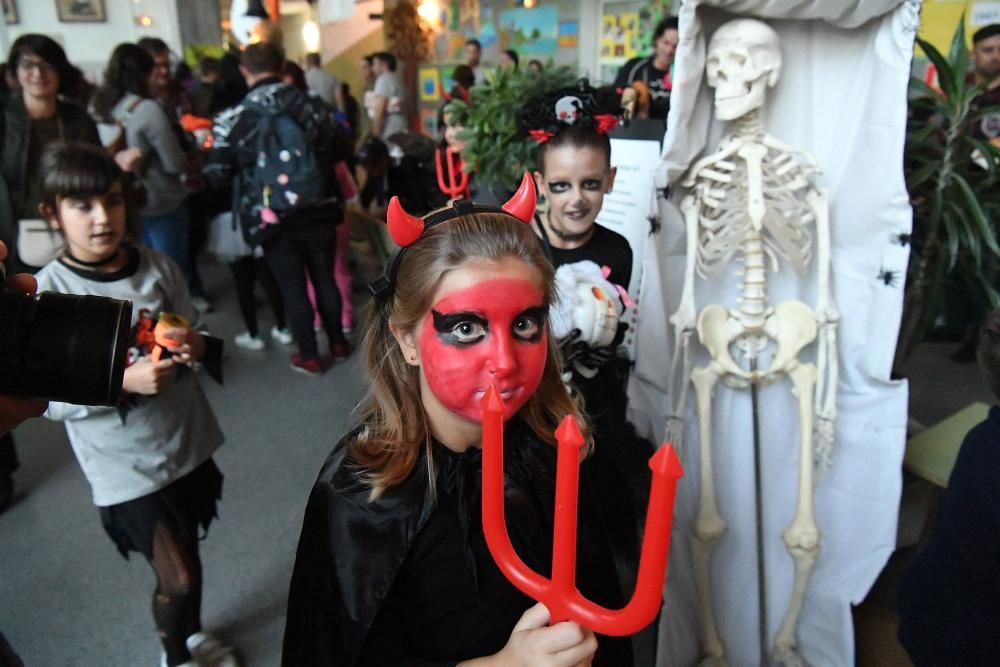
789,327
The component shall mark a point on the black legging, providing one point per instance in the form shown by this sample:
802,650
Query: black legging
289,257
177,598
246,271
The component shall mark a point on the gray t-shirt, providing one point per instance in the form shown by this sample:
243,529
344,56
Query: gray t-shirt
148,127
322,84
387,85
165,436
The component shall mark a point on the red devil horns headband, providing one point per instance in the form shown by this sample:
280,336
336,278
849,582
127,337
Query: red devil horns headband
405,229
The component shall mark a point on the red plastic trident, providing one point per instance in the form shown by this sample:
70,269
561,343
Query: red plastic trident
457,185
559,594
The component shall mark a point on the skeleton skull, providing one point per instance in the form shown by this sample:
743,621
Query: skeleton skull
744,59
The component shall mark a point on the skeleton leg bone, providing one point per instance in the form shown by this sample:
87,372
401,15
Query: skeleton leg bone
802,535
709,524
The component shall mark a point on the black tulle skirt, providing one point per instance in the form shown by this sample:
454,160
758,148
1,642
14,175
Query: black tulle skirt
188,505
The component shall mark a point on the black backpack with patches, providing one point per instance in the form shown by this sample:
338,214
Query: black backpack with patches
289,180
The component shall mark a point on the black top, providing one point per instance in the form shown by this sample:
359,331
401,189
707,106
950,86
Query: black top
409,581
20,144
605,248
658,80
988,126
949,602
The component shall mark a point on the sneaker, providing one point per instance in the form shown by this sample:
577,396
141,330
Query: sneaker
283,336
208,650
164,663
313,367
248,342
201,304
340,350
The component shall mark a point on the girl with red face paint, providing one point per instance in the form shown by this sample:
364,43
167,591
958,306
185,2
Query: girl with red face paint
392,566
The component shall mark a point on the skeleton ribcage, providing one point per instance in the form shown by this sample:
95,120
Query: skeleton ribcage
725,226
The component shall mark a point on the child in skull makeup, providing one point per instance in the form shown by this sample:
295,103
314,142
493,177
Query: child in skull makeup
574,173
392,566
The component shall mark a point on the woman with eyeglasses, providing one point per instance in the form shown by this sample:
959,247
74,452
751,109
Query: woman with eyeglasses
36,112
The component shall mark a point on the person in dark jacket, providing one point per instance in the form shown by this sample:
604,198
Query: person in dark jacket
293,249
949,602
31,117
654,70
35,115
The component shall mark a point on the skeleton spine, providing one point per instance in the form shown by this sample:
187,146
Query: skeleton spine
753,299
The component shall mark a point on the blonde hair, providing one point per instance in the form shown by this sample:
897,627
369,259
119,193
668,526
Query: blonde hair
395,425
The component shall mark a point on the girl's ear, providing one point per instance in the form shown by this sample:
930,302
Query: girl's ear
407,345
610,184
539,183
49,214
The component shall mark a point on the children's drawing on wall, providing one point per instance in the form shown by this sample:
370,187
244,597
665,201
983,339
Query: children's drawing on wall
569,34
619,36
530,31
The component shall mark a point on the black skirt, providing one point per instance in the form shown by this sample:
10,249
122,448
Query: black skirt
187,505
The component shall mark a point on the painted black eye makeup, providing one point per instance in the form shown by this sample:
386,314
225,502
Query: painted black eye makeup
459,328
530,325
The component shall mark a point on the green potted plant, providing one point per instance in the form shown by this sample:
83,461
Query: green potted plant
952,181
494,149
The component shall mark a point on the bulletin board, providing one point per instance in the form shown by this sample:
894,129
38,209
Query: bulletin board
627,32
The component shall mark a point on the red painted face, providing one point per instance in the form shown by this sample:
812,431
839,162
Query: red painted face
493,332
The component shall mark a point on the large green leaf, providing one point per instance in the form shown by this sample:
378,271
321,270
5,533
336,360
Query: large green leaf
950,223
916,179
973,208
945,72
958,55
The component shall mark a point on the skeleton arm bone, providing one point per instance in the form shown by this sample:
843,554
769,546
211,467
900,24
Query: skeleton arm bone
827,319
683,321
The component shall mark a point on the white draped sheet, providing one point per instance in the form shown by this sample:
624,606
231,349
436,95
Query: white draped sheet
842,98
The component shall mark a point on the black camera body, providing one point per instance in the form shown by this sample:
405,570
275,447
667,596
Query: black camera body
63,347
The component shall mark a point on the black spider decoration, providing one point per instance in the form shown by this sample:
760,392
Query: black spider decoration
654,224
902,239
888,277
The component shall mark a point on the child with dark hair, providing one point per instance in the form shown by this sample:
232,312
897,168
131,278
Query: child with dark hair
593,270
949,602
149,462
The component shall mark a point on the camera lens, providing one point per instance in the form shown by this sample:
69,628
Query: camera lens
63,347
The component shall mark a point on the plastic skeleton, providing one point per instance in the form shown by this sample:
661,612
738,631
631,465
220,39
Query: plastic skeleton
754,197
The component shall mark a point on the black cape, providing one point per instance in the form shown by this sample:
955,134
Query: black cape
352,598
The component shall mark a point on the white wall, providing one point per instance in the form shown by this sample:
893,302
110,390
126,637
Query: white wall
88,45
338,36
